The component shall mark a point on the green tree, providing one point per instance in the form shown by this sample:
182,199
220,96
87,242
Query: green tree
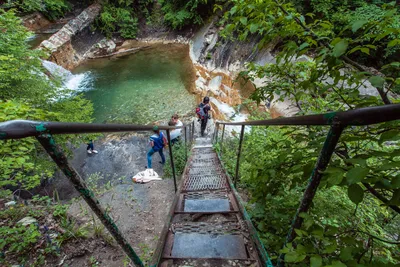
118,16
366,158
181,13
20,67
26,92
52,9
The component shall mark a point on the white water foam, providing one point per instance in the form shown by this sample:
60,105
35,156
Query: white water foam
70,81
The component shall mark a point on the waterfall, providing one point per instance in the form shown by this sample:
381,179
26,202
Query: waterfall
69,80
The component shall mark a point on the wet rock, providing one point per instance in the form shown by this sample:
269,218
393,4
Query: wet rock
209,38
215,85
201,84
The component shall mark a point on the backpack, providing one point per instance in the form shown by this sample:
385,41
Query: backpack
159,142
200,111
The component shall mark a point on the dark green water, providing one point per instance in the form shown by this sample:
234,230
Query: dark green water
144,87
36,39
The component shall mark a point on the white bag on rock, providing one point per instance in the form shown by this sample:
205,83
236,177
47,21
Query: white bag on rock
146,176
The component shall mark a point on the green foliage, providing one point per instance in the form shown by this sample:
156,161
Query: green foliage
29,244
181,13
22,80
275,165
19,239
52,9
178,150
19,65
118,17
23,164
346,225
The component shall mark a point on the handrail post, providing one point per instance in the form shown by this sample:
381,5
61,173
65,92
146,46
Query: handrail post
222,137
192,131
172,159
216,133
48,143
238,156
186,146
323,160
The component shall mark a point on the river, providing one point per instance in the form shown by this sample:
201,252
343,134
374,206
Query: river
140,88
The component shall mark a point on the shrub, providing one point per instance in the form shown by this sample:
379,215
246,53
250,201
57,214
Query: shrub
178,151
180,13
52,9
117,19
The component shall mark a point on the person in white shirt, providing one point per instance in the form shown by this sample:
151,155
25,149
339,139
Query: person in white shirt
176,134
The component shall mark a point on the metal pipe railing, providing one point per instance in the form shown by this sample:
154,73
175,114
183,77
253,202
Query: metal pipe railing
172,159
43,132
355,117
338,121
18,129
55,152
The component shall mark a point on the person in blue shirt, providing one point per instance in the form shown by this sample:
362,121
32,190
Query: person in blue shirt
157,143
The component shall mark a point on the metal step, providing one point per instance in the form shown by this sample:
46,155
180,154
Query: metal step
204,182
206,227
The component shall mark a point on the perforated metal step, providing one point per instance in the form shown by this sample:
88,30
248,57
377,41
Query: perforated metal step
218,194
204,182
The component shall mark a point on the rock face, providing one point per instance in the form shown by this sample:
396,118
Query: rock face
68,46
218,62
214,52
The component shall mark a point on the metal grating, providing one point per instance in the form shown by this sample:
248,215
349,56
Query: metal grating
206,195
203,151
204,182
205,160
221,228
205,171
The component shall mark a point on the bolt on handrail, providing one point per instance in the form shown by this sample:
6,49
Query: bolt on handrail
43,131
337,121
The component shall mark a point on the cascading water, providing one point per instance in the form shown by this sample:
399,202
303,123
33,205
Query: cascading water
69,80
148,86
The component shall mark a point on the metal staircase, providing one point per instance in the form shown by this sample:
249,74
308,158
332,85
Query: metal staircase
206,226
